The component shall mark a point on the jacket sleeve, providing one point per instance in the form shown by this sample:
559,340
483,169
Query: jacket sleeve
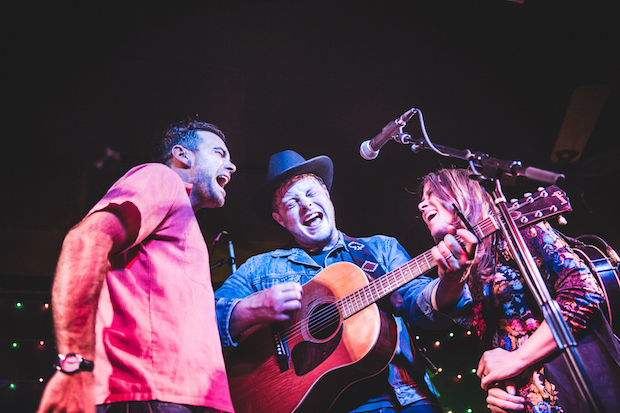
576,290
235,288
416,295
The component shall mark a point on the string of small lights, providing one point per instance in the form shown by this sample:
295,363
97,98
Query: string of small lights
27,354
27,350
455,353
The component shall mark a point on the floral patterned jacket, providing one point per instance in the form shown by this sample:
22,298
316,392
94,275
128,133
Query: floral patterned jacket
508,314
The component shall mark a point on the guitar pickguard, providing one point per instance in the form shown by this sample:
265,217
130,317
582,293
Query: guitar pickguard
321,329
306,356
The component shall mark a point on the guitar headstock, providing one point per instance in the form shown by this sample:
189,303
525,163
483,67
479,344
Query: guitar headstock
545,203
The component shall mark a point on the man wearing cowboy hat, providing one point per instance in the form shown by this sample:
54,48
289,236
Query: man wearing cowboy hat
268,288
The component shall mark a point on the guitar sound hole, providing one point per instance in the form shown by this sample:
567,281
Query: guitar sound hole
323,321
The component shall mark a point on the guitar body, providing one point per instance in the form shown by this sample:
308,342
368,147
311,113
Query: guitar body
306,366
607,276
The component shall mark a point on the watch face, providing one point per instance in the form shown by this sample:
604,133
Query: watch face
70,364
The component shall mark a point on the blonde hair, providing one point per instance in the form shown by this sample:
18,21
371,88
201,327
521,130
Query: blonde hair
455,187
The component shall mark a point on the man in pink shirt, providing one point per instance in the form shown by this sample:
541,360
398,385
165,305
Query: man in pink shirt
133,305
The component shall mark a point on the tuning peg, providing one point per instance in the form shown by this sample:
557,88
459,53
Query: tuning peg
613,255
562,220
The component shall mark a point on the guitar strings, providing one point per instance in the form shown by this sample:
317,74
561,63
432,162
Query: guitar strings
359,299
362,298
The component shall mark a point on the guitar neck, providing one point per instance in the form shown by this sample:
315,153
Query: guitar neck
386,284
527,211
395,279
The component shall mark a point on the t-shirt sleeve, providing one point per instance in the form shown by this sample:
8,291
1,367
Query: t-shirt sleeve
142,199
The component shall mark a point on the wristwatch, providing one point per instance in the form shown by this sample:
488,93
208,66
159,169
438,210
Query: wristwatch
72,363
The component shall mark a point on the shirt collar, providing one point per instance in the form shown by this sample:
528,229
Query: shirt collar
188,188
292,249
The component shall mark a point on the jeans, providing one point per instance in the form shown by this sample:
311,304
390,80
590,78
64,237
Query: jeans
151,406
421,406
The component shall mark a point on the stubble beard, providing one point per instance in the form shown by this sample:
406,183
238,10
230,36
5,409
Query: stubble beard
208,191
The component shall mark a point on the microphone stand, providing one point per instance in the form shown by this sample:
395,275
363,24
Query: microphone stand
230,260
492,169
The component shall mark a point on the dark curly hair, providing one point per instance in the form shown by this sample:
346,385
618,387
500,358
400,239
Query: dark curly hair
183,133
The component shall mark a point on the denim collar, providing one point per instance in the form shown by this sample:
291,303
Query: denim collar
298,255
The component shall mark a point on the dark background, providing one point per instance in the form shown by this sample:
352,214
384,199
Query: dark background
87,86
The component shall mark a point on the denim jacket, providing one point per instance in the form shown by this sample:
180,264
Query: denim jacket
294,264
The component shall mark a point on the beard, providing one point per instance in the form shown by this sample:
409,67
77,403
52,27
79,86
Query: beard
207,191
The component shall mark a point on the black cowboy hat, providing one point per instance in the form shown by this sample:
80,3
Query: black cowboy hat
283,166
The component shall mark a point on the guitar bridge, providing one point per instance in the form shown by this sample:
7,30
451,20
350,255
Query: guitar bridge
281,346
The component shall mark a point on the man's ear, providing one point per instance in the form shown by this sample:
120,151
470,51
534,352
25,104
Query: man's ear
181,156
277,217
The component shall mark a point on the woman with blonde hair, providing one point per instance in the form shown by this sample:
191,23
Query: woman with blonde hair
521,368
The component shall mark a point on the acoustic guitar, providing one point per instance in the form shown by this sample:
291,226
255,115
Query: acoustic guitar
605,268
340,336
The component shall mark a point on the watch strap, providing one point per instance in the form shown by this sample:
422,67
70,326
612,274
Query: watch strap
85,365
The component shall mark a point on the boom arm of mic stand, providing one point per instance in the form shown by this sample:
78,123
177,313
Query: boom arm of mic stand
490,165
220,263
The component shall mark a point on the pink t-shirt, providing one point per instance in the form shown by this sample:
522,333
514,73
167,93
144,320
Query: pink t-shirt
157,336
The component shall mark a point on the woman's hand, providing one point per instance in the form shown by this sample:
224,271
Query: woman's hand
453,259
505,401
452,263
498,364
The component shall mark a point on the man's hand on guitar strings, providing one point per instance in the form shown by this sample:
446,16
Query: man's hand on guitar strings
272,305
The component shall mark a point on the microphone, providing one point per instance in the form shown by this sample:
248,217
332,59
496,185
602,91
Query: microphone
231,254
370,149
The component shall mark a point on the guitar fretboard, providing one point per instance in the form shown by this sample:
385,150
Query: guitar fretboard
392,281
533,208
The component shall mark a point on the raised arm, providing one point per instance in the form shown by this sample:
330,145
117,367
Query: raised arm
452,264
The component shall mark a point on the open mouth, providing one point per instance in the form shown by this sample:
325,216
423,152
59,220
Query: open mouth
222,180
312,218
430,216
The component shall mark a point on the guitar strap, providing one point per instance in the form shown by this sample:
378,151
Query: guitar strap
364,259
